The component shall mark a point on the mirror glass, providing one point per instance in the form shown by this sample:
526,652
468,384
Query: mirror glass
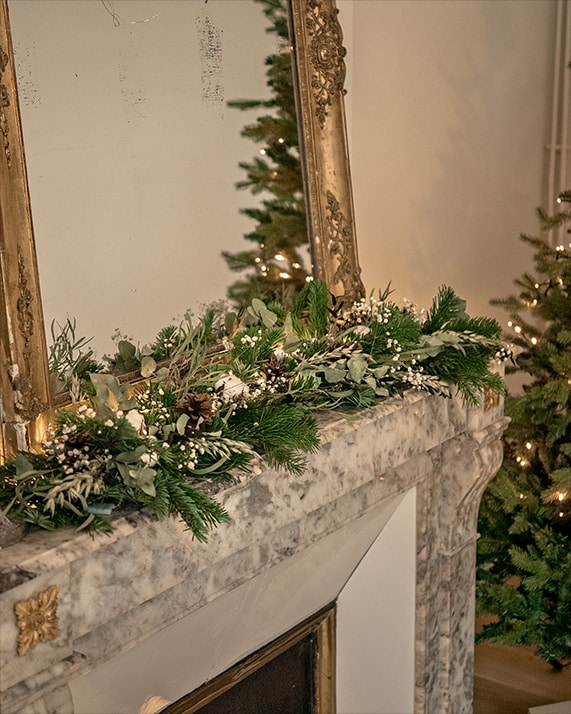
133,153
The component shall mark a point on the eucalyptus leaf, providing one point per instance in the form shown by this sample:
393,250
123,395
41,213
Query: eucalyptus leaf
357,366
333,375
145,479
370,381
131,457
259,310
148,366
181,423
126,349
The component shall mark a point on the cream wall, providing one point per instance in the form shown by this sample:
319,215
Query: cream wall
447,101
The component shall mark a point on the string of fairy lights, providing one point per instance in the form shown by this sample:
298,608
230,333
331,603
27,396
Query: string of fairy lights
277,265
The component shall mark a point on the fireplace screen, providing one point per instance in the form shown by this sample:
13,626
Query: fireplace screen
294,674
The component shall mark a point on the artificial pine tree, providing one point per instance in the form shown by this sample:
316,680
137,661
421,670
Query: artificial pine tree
276,261
524,553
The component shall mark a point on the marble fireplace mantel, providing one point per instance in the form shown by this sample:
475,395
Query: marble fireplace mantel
115,591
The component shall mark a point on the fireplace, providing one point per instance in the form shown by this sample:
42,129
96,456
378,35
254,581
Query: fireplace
294,674
392,495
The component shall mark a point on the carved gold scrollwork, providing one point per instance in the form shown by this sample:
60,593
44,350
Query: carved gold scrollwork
37,619
326,54
4,102
340,245
25,300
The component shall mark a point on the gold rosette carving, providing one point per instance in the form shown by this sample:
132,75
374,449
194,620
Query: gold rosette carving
37,619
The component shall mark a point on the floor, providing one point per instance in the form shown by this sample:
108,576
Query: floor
509,680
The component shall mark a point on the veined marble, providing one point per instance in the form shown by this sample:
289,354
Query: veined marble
116,590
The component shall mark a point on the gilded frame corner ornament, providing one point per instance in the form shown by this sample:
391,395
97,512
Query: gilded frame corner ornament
37,620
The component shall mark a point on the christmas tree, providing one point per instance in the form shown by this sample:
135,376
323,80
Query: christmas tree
524,553
276,260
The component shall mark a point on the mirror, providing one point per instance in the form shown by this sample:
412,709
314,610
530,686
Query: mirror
132,164
319,67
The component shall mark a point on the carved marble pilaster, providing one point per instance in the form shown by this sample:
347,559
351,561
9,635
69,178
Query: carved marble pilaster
446,568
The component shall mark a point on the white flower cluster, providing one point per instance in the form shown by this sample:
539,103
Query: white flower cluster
251,340
382,312
417,379
72,459
420,314
191,451
151,404
393,344
269,382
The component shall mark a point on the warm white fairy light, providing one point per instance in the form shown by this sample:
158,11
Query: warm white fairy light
510,323
561,514
528,445
279,256
521,495
561,496
297,266
534,340
308,279
534,302
559,248
285,276
517,329
536,286
263,152
281,140
257,260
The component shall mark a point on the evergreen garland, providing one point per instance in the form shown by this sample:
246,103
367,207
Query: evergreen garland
236,386
524,553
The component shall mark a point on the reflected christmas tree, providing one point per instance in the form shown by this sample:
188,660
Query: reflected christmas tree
274,267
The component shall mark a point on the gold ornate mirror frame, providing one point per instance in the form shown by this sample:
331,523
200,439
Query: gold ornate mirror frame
320,74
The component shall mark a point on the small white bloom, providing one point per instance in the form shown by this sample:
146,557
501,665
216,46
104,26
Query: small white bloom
109,422
137,420
148,458
231,387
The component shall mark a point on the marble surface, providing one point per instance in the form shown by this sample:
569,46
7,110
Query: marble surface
116,590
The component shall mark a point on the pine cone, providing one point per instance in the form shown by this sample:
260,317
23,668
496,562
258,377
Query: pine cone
198,407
